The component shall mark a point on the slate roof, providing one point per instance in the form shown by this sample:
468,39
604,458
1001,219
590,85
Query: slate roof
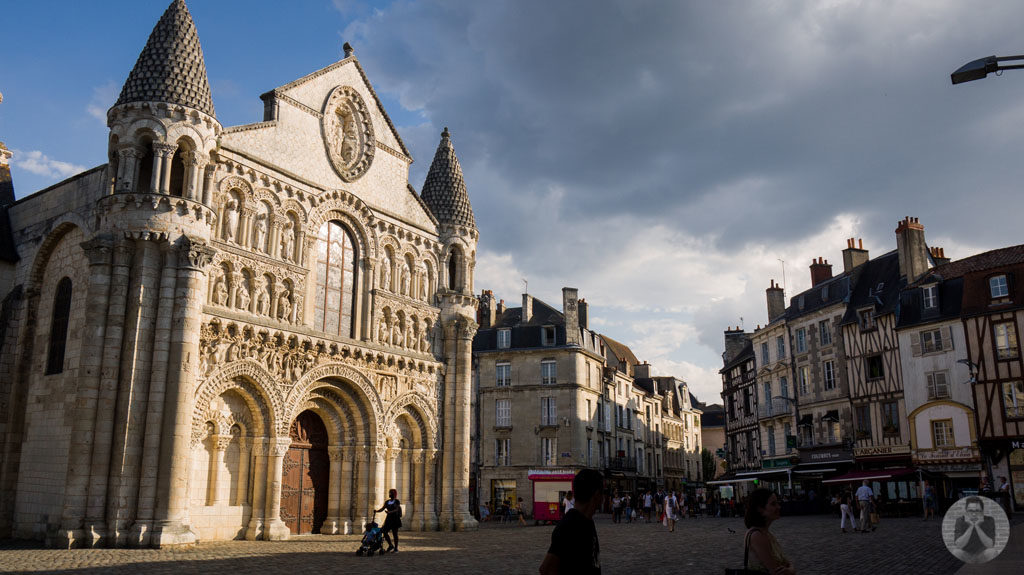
878,285
444,190
825,294
621,352
543,314
171,67
983,261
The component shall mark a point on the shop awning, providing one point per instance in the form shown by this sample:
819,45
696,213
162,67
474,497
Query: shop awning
871,475
831,415
806,420
816,470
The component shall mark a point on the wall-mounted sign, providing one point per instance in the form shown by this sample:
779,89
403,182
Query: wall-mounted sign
881,450
936,454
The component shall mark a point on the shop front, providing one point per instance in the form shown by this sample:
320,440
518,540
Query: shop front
956,471
550,487
820,463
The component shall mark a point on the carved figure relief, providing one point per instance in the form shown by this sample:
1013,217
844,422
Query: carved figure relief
287,241
385,274
220,292
423,282
259,232
284,306
230,220
387,386
383,334
348,133
243,295
263,301
406,281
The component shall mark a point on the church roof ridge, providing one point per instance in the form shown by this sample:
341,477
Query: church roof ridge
444,190
170,67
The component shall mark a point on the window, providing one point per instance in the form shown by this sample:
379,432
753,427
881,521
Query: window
873,366
504,338
501,447
829,369
806,435
503,413
998,287
942,434
862,414
335,273
548,411
788,430
784,386
1013,399
834,433
547,335
931,341
607,417
590,452
768,393
891,418
770,431
548,372
780,346
549,451
803,374
801,340
765,359
59,327
590,414
938,387
930,297
866,317
502,374
825,332
1005,340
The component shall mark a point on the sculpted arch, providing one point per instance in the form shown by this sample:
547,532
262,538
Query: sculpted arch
313,379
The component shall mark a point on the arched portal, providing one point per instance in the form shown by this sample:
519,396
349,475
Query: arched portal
305,475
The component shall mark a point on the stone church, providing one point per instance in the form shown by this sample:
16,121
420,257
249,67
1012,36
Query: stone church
236,332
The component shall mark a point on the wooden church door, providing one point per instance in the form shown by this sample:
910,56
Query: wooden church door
305,475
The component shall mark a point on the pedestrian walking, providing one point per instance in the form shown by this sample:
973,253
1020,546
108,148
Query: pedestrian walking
671,506
567,503
627,502
845,511
930,503
392,520
519,511
763,509
574,544
864,495
616,508
648,503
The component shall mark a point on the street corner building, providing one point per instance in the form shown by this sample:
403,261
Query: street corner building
236,332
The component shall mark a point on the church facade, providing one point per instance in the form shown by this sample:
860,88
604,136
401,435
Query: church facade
237,332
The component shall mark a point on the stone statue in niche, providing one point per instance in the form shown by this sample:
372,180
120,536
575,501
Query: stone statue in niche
263,301
406,280
259,232
284,306
287,241
410,337
423,283
230,220
424,341
382,335
385,274
298,308
396,333
220,292
243,296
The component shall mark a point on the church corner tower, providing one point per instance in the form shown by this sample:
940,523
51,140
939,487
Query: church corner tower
444,193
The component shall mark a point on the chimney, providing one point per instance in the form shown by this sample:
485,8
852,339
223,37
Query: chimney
735,339
485,314
854,254
642,370
821,270
584,319
500,309
776,301
571,314
527,308
913,252
938,256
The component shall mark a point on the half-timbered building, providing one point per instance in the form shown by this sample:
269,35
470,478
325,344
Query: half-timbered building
739,392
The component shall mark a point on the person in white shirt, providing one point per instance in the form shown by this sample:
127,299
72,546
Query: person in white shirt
864,495
567,503
671,504
648,501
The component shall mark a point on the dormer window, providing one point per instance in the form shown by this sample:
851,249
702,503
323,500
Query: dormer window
504,338
998,286
866,317
800,301
930,297
547,335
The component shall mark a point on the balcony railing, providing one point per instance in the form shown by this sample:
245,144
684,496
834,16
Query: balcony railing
776,407
622,463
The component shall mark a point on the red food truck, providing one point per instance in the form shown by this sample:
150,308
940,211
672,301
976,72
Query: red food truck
549,488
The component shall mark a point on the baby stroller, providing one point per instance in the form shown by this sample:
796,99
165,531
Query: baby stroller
373,540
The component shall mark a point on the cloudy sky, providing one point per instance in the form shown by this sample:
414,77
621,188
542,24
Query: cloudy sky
661,156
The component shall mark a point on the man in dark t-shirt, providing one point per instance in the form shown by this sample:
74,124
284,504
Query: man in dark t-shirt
574,546
974,533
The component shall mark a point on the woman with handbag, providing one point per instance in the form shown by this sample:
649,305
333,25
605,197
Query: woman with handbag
761,551
392,519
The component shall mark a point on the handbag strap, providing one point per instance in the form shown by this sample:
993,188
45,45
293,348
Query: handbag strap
746,547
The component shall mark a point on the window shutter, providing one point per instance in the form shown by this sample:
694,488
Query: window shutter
949,337
915,343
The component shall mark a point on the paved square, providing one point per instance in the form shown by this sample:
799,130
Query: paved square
705,545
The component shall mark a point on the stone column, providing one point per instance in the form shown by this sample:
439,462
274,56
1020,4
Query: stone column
259,489
244,446
446,518
220,444
95,518
236,283
418,481
195,164
172,518
332,524
158,166
429,499
380,487
208,173
463,418
128,157
99,251
166,161
275,529
392,471
348,482
363,505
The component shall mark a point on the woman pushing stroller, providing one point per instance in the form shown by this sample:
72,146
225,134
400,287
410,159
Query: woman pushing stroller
392,519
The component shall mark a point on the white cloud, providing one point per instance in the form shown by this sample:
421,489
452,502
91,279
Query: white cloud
103,97
40,164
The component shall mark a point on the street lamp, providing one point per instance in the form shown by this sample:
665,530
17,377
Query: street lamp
978,69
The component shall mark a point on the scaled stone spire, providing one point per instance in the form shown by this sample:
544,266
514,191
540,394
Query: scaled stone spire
171,67
444,190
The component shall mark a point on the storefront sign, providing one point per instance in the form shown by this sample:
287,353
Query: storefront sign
1017,443
881,450
825,455
951,467
937,454
773,463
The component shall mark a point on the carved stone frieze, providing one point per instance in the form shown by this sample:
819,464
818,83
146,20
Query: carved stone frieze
194,253
348,133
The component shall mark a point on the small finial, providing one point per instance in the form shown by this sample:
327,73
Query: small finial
347,48
445,134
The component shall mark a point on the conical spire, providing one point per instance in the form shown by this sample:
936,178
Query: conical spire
444,190
171,67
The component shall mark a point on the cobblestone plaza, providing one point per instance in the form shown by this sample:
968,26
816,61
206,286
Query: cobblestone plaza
702,545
